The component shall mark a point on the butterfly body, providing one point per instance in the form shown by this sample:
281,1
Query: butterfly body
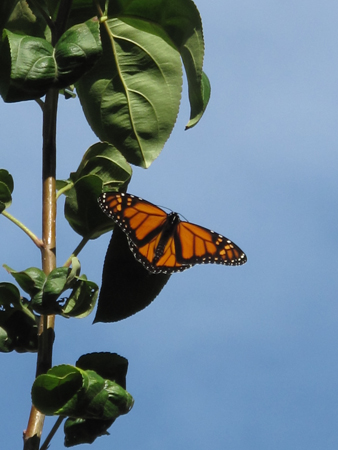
162,242
166,234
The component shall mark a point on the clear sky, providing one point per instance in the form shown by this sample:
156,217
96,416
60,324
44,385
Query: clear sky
238,358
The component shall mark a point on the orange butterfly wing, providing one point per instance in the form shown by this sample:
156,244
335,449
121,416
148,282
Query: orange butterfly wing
161,242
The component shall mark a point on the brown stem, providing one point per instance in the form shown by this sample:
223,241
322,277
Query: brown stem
33,433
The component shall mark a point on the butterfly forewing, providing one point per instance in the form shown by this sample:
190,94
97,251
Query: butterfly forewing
139,219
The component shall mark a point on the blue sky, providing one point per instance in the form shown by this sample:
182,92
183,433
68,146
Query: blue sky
240,358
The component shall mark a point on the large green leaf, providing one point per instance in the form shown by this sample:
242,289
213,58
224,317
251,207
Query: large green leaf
178,22
132,95
181,21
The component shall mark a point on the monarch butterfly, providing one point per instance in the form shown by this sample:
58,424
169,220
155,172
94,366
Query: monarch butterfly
162,242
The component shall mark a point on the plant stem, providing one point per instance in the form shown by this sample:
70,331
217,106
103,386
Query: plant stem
33,433
76,251
52,432
38,242
64,189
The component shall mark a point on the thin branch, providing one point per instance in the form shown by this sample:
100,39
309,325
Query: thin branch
41,103
66,188
99,10
62,18
52,432
44,14
38,242
76,251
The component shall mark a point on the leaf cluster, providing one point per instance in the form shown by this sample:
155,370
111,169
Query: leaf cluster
125,62
91,394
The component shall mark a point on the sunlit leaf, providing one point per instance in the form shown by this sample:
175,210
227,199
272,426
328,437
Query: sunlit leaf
70,391
180,21
131,97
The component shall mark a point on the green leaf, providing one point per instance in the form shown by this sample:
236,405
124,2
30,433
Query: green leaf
10,300
55,283
73,273
101,165
70,391
7,179
18,324
6,344
127,287
18,15
78,49
30,65
51,391
5,197
82,300
31,280
181,22
46,290
82,210
6,9
21,331
6,189
109,366
84,431
10,296
198,105
131,97
105,161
